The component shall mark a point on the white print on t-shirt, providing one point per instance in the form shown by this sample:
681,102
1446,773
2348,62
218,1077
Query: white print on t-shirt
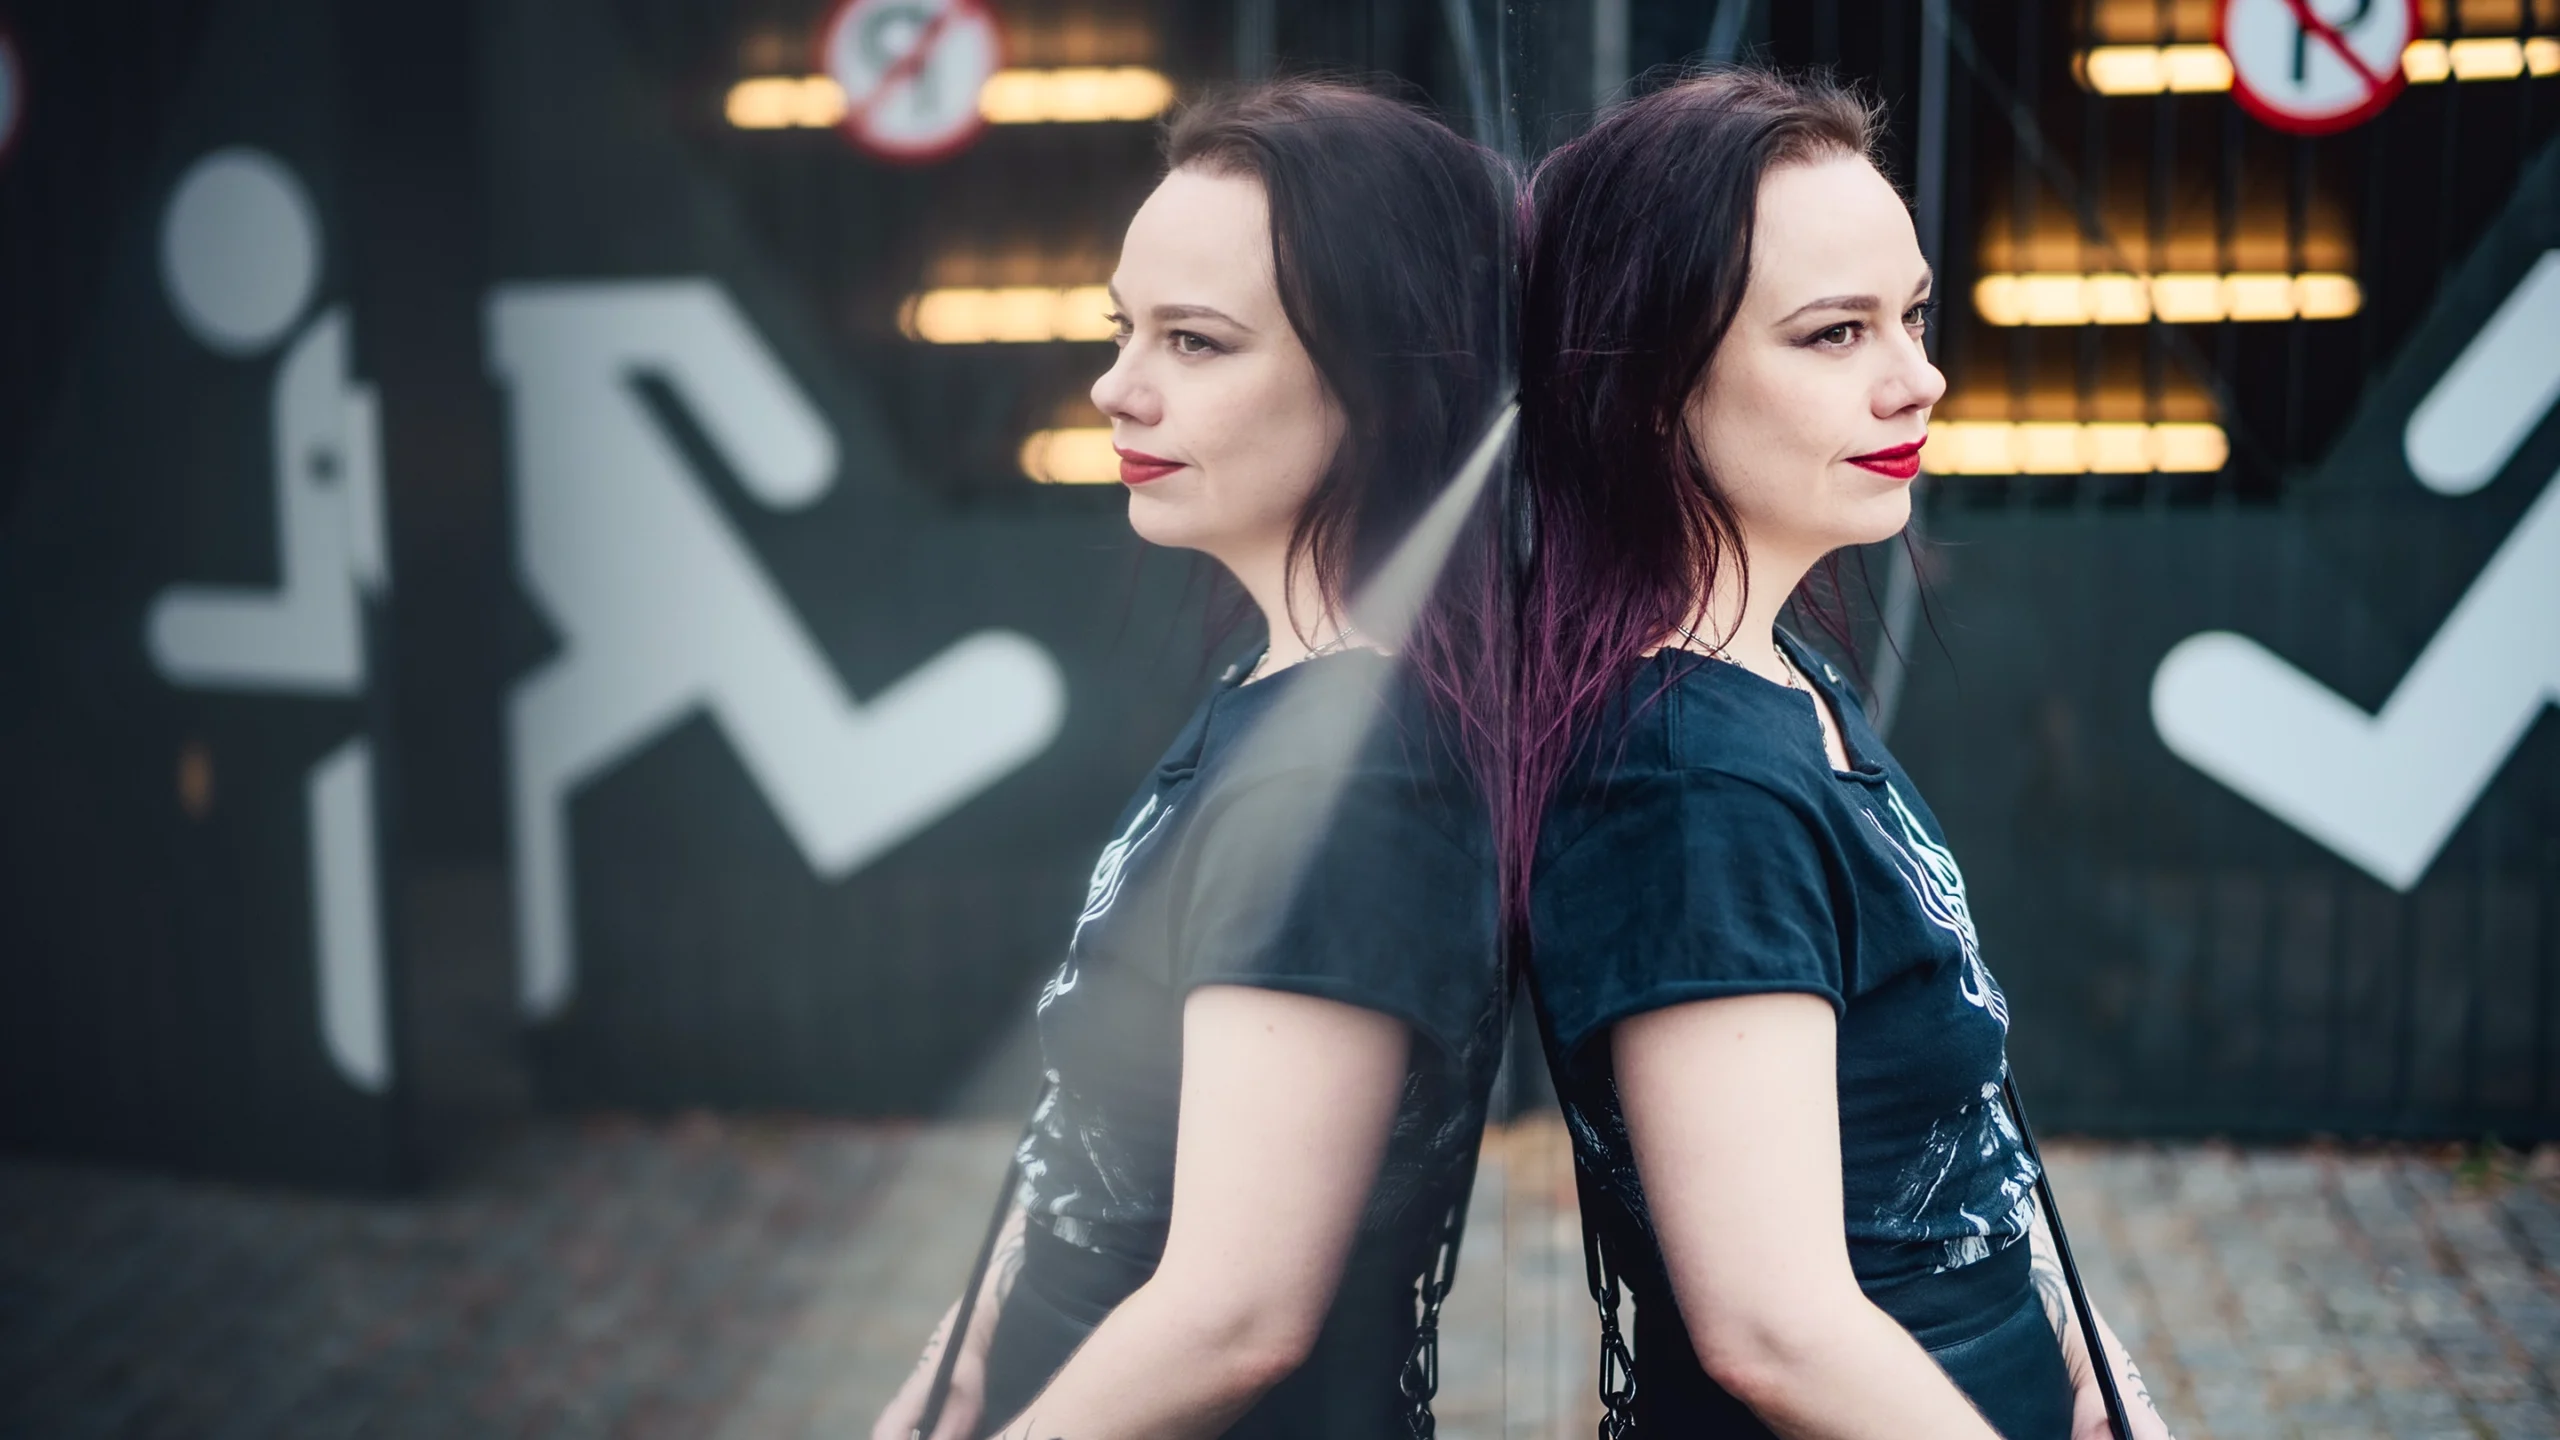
1929,868
1978,1132
1103,889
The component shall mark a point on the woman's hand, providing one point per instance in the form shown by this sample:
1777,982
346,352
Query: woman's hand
2088,1402
966,1404
960,1412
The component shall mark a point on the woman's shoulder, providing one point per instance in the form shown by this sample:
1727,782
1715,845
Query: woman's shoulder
1353,730
1712,724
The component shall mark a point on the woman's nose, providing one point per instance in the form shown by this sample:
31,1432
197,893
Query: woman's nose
1121,395
1914,385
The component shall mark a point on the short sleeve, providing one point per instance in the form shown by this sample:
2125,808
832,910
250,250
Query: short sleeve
1365,886
1685,885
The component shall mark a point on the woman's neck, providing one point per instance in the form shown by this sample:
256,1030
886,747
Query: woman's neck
1739,618
1294,613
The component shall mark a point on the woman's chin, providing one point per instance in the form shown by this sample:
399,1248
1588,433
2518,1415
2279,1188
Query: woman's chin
1880,517
1159,519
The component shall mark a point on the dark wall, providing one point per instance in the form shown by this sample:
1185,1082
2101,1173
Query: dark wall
704,582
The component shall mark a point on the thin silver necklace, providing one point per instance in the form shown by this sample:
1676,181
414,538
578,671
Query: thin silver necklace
1794,679
1343,639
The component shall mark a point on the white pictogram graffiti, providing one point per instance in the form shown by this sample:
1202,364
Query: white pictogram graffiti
664,612
2387,790
240,252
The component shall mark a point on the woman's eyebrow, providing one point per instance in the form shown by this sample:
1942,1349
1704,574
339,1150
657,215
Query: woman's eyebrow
1178,312
1855,302
1834,302
1198,312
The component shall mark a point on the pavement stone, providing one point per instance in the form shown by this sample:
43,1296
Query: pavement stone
773,1279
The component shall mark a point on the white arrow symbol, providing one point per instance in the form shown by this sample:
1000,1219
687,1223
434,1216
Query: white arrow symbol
2387,790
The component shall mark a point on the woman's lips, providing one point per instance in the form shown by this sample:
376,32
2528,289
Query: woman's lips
1137,467
1901,462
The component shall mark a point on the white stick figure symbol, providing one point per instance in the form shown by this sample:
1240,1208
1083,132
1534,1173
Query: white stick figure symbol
2387,790
664,611
240,257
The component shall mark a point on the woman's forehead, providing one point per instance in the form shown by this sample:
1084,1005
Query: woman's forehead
1201,238
1831,227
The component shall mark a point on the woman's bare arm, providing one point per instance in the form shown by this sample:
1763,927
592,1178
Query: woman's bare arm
1733,1108
1287,1101
961,1409
2088,1403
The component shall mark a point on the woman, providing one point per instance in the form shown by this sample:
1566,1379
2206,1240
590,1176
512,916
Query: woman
1780,1054
1270,1043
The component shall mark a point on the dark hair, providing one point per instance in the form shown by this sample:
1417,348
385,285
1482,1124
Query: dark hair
1387,239
1638,255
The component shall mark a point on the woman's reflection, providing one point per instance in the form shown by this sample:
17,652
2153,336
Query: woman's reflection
1270,1042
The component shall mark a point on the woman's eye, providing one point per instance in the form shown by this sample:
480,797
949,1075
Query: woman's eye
1918,315
1189,342
1841,334
1119,327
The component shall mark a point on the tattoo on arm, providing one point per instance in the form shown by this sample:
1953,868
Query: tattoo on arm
1007,1268
2044,1266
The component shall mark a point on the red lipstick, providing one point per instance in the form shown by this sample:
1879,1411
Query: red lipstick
1901,462
1137,467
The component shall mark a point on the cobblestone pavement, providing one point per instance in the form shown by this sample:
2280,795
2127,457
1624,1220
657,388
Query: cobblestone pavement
772,1279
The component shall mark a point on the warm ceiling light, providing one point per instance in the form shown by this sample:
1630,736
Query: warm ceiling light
2154,69
2503,57
1010,97
2001,447
2118,298
2205,69
1007,314
1081,456
1078,94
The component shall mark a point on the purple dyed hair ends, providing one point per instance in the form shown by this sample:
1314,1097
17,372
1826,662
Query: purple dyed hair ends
1636,259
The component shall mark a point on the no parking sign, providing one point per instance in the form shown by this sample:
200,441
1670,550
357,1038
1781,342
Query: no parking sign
2311,67
911,71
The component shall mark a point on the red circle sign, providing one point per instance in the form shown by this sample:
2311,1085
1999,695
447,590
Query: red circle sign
911,71
2311,67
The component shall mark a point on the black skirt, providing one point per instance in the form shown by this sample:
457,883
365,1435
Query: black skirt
1349,1387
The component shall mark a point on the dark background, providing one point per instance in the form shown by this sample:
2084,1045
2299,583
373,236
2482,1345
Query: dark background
2180,961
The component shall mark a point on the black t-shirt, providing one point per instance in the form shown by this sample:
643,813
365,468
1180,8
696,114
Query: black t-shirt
1286,857
1704,847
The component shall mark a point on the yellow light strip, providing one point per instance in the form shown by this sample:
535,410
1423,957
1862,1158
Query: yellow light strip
2430,62
1007,314
2000,447
2119,298
1071,457
1082,94
2154,69
2204,69
1076,95
781,102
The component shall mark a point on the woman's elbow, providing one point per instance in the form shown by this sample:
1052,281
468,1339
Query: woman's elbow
1763,1355
1255,1343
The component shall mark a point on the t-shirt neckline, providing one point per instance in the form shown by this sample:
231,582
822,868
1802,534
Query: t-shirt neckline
1864,769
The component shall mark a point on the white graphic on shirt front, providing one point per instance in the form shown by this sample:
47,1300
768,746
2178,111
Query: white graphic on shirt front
1977,1134
1049,1122
1980,1135
1929,868
1103,889
1104,1163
